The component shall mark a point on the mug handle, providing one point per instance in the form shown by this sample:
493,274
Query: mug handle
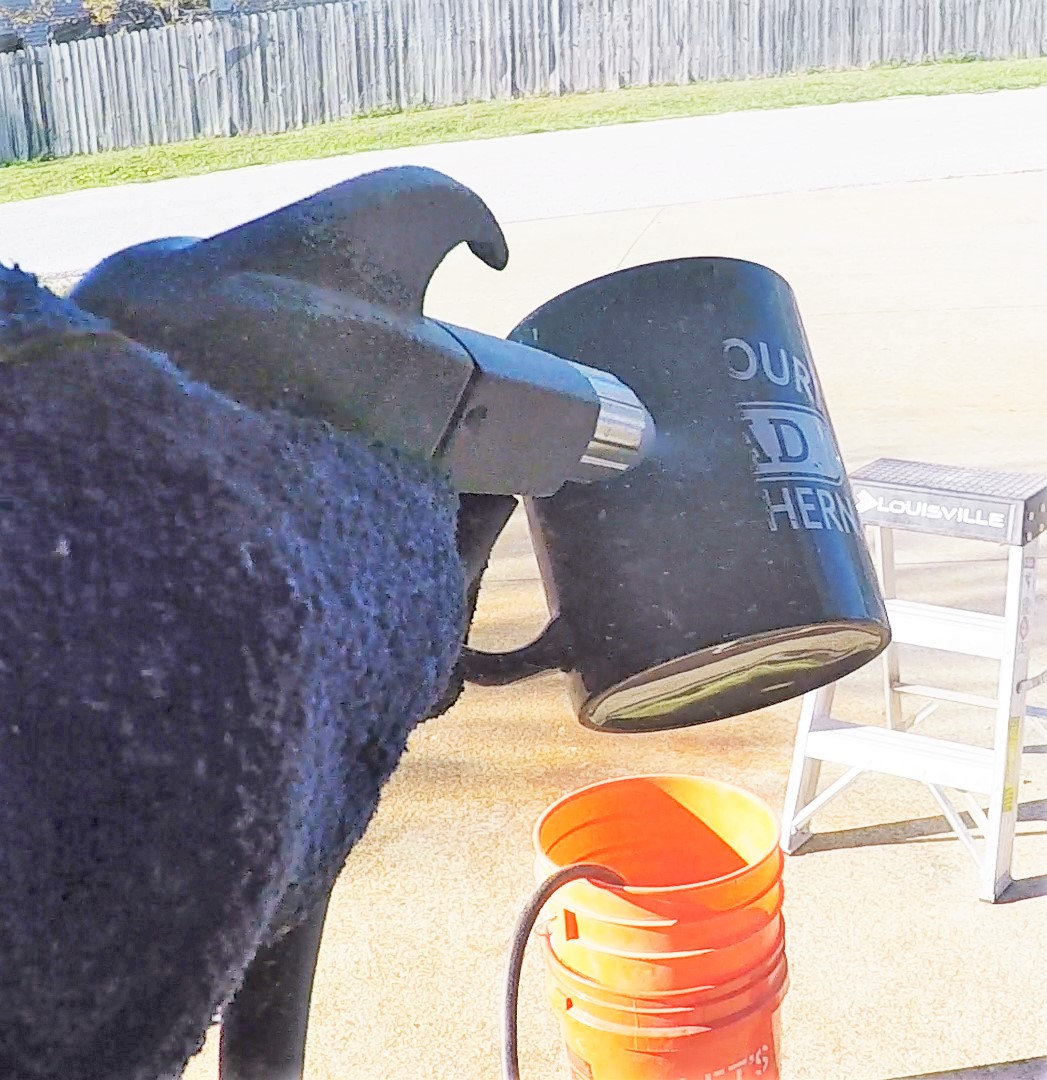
550,651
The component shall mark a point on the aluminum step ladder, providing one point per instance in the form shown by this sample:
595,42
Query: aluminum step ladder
975,504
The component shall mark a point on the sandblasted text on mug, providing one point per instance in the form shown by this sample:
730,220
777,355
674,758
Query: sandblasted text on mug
777,365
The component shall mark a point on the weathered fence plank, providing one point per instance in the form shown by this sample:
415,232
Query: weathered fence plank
285,69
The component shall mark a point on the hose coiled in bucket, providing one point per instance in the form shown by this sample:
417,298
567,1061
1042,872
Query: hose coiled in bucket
510,1042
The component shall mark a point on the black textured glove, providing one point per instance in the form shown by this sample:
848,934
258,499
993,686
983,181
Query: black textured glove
481,519
218,629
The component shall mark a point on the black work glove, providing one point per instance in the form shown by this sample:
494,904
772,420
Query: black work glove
218,629
481,519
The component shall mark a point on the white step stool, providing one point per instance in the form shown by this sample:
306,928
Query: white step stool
975,504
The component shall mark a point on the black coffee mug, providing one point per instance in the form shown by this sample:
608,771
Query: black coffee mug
729,571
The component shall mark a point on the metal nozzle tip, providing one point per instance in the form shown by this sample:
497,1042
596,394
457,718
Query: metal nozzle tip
624,432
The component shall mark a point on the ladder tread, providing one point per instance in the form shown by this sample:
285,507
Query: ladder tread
902,753
932,626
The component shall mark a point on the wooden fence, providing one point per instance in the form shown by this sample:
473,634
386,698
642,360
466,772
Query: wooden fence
285,69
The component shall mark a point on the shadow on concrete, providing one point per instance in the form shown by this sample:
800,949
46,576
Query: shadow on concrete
1029,1069
1025,889
932,830
916,830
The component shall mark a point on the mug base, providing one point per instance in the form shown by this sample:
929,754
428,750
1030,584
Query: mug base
733,678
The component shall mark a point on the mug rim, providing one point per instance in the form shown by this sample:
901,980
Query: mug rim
685,260
876,637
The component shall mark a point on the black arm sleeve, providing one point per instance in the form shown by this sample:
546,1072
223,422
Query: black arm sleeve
217,631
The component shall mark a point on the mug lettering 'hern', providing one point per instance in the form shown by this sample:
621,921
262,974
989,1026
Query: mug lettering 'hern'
796,464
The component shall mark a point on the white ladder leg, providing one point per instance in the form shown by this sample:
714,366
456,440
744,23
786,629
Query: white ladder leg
883,557
1010,714
805,771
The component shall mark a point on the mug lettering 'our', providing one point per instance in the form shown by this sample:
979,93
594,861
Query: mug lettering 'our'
744,362
794,456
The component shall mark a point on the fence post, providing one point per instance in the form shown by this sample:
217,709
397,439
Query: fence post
278,70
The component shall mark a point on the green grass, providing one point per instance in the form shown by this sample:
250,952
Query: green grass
490,119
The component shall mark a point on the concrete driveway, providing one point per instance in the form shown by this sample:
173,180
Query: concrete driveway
567,173
915,235
925,308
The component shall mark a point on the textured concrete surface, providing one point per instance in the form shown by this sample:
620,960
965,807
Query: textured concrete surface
564,173
928,325
924,302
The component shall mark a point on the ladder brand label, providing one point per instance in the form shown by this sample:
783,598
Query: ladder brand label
943,510
794,457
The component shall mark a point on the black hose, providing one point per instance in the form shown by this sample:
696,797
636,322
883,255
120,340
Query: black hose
510,1044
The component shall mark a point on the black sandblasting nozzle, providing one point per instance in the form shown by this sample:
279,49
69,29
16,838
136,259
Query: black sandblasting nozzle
316,309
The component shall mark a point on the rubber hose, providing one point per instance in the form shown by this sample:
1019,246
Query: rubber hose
510,1042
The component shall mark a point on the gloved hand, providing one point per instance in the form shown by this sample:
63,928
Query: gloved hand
218,629
481,519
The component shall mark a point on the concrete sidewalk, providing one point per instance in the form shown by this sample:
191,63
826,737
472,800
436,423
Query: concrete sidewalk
925,308
567,173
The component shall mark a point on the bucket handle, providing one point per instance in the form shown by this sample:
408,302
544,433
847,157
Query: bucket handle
542,895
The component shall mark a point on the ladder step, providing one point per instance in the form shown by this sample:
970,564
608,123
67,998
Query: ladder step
938,694
977,700
949,629
903,753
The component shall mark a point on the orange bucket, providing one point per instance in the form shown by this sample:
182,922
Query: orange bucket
684,965
665,973
665,1009
666,968
740,1045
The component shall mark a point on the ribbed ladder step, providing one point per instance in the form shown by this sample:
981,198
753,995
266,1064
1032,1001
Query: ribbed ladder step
903,753
930,626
